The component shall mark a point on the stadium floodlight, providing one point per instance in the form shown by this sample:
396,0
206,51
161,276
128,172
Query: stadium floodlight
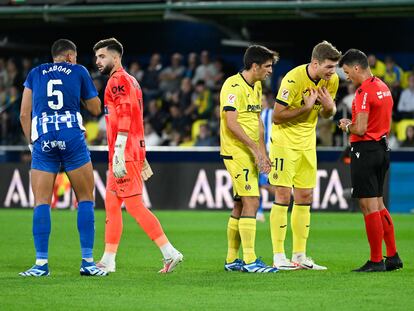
235,43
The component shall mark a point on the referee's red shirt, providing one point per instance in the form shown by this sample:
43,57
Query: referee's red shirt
373,97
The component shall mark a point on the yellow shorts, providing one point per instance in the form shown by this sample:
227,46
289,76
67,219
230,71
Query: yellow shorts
244,175
293,168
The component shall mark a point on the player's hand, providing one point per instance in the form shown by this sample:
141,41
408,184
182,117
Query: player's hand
343,123
118,161
266,165
118,165
262,162
310,100
324,97
146,172
328,105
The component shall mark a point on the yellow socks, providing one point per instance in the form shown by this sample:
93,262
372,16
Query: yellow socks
247,229
233,239
278,227
300,222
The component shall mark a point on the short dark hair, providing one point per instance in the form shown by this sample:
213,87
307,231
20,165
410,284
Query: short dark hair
111,44
62,45
354,57
325,50
258,54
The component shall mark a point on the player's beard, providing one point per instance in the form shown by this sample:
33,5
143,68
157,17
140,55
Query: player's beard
107,69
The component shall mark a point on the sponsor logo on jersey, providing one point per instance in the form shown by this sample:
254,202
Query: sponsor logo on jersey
253,108
382,94
291,81
285,94
118,89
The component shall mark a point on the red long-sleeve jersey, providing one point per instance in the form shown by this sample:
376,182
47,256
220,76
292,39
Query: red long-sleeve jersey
124,113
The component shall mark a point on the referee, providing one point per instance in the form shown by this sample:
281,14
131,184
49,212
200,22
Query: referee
370,157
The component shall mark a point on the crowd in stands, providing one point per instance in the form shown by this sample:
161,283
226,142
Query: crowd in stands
181,100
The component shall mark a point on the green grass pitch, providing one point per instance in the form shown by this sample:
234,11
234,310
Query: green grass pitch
337,240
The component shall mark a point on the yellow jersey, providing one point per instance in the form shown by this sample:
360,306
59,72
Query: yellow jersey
379,69
237,95
299,133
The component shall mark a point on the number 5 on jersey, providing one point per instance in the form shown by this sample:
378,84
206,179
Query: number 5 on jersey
51,92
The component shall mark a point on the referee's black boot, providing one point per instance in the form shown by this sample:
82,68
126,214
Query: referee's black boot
393,262
371,266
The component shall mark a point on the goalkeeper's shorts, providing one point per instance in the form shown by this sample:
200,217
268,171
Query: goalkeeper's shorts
130,184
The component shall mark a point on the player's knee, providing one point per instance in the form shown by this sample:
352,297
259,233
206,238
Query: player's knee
304,197
282,196
132,210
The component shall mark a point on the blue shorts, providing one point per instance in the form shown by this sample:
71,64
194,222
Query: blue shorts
263,179
63,150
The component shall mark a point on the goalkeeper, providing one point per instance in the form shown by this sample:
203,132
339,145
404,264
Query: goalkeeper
128,166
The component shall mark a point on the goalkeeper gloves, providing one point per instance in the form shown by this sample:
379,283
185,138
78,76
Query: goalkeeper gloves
146,172
118,161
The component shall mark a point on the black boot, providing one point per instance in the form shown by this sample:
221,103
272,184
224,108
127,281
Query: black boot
393,262
371,266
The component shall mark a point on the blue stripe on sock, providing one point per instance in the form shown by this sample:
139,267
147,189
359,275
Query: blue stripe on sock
86,227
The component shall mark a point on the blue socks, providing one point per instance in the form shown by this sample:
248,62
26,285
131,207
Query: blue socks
41,230
86,227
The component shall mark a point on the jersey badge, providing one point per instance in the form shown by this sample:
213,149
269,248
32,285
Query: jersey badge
285,94
231,99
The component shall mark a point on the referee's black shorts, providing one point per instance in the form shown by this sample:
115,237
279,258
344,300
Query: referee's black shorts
370,161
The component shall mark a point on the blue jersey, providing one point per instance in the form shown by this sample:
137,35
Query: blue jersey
57,90
266,116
